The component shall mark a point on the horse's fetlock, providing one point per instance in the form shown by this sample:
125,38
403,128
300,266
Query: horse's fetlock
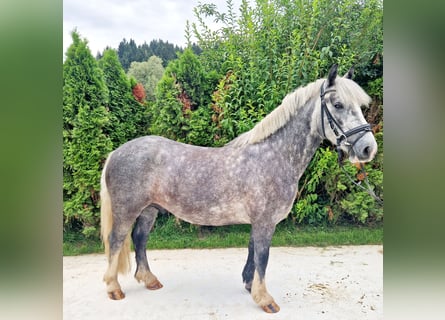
259,291
138,276
148,278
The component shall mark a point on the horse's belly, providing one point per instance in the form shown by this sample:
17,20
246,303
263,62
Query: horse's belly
212,215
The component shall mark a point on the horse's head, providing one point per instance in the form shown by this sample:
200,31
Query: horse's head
342,120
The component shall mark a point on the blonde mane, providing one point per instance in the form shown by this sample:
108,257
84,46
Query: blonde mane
347,90
280,115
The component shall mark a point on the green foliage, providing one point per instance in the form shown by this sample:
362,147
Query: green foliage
168,233
246,65
99,114
327,195
271,47
129,51
148,73
166,114
126,115
262,53
85,144
182,97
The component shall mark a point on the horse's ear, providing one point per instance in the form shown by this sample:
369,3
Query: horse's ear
332,75
349,74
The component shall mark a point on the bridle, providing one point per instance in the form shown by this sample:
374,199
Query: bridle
342,137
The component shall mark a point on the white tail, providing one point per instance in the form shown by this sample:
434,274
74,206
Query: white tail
106,225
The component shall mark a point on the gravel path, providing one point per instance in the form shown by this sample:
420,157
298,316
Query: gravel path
307,283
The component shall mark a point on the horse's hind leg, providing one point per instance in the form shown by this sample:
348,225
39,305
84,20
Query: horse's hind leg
142,228
118,259
262,236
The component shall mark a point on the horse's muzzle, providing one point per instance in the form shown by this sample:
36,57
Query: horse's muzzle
364,150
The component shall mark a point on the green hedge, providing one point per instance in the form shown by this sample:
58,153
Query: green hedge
259,53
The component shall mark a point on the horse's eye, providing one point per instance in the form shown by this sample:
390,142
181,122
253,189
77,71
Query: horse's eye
338,105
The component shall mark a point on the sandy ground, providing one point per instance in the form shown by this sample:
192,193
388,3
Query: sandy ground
307,283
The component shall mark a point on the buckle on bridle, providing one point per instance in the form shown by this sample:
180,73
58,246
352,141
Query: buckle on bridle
345,138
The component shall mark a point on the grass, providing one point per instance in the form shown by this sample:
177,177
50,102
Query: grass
168,234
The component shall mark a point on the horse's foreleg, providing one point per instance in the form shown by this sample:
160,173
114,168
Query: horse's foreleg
142,228
262,239
249,268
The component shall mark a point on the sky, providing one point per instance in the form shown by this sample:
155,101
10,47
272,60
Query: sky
107,22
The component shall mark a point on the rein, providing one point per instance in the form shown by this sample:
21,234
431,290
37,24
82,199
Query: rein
368,188
342,137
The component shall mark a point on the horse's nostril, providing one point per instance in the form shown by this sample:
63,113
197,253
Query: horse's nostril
366,151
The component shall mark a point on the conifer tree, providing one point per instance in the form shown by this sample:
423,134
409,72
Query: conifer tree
126,114
85,145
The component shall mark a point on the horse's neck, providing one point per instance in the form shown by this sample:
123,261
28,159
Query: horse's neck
299,138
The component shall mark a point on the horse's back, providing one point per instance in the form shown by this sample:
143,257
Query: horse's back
147,150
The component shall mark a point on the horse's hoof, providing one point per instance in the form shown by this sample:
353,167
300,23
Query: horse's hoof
155,285
116,295
248,287
271,308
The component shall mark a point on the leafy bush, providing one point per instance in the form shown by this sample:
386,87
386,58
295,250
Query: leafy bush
244,69
182,96
270,48
327,196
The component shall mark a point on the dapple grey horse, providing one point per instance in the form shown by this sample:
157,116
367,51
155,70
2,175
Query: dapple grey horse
251,180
